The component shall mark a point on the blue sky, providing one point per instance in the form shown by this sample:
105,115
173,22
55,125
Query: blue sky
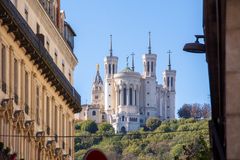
172,24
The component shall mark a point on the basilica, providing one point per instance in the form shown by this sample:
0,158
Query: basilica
126,98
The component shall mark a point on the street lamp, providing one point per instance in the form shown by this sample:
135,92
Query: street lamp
195,47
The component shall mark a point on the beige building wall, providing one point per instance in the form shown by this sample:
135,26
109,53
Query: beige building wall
30,106
232,78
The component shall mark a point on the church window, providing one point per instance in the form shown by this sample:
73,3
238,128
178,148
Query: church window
130,97
96,97
113,68
125,96
148,104
171,81
147,93
148,113
109,68
141,120
123,118
167,106
148,66
168,81
147,82
151,66
119,94
135,97
109,106
109,95
109,84
94,113
168,117
102,116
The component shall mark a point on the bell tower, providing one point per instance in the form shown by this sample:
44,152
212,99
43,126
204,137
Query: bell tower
110,66
169,81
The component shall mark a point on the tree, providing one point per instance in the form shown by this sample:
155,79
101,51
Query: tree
206,111
196,111
105,128
185,111
153,123
89,126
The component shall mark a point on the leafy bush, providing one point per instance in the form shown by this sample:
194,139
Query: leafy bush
153,123
89,126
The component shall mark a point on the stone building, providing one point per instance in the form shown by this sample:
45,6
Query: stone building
37,97
126,99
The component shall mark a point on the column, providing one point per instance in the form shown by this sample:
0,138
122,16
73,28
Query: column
121,96
10,75
128,96
22,90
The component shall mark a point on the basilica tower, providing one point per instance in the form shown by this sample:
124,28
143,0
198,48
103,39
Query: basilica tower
110,66
149,76
98,91
169,80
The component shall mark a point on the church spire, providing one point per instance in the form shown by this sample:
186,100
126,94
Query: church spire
133,67
169,59
98,78
110,46
149,43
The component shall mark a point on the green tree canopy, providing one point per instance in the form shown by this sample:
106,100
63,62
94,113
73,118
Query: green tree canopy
89,126
105,128
153,123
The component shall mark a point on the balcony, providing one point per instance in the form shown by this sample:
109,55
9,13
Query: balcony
39,56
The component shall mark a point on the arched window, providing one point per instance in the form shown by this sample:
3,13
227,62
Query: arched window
123,118
171,81
151,66
94,113
125,96
131,96
168,81
135,97
148,66
113,68
109,68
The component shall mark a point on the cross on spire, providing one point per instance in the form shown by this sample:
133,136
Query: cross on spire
169,59
133,67
149,43
110,46
127,60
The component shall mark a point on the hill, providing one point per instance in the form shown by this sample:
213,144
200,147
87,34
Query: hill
174,139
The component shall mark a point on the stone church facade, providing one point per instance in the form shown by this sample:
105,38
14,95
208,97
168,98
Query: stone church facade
126,99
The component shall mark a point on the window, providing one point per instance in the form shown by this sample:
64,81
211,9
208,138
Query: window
93,113
148,66
124,96
135,97
123,118
109,68
119,95
96,97
131,96
151,66
26,93
47,46
37,28
26,13
102,116
70,76
15,74
113,68
55,57
171,81
148,113
56,120
48,111
63,131
63,67
4,85
37,106
147,93
168,81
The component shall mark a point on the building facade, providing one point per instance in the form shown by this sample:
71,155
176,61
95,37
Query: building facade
126,99
37,97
